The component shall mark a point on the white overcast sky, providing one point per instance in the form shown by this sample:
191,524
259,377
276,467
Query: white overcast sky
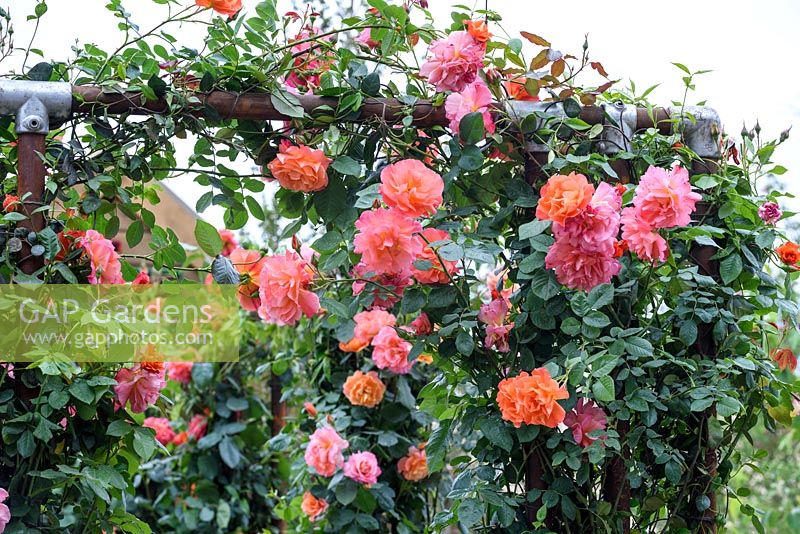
751,46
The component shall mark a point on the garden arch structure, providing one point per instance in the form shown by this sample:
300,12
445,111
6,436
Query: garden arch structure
38,104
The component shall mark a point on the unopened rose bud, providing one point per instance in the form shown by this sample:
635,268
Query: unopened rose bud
744,131
757,128
785,134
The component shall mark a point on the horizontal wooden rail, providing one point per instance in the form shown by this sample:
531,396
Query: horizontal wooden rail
259,106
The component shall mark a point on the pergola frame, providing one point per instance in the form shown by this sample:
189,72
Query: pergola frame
36,104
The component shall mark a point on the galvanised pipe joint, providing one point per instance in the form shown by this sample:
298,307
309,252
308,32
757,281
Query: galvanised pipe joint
619,123
702,129
35,104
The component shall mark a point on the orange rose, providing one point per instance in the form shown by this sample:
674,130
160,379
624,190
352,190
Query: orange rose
531,399
517,90
310,409
785,358
479,30
413,466
789,253
364,389
224,7
300,168
427,359
312,506
563,197
368,324
11,203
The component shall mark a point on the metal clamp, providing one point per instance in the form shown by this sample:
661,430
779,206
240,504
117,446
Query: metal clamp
702,129
616,136
544,111
35,104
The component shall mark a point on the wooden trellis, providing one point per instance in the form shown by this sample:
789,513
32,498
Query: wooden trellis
701,133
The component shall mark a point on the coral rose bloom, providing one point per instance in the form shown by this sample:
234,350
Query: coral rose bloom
324,451
300,168
368,324
411,188
414,466
665,199
579,268
312,506
386,241
224,7
531,399
364,389
785,359
362,467
229,242
391,351
479,30
140,384
103,258
198,425
179,371
641,239
563,197
249,264
438,272
164,433
517,90
284,292
596,224
789,253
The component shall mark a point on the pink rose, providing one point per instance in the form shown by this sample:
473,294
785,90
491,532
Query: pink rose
5,513
386,241
387,289
597,224
665,199
422,325
229,242
475,97
362,467
642,239
578,268
164,432
103,258
140,384
324,451
284,292
179,371
440,271
248,263
770,212
454,62
390,351
586,417
198,425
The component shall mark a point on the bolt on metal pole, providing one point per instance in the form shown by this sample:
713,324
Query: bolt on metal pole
35,105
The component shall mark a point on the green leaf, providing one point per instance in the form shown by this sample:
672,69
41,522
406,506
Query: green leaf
730,268
464,343
144,443
346,165
346,492
118,428
496,432
25,444
533,228
229,453
207,237
436,447
603,389
471,129
688,332
471,158
81,391
371,84
40,72
287,104
134,233
600,296
596,319
330,201
470,511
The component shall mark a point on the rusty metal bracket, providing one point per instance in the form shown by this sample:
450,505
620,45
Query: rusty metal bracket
35,104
